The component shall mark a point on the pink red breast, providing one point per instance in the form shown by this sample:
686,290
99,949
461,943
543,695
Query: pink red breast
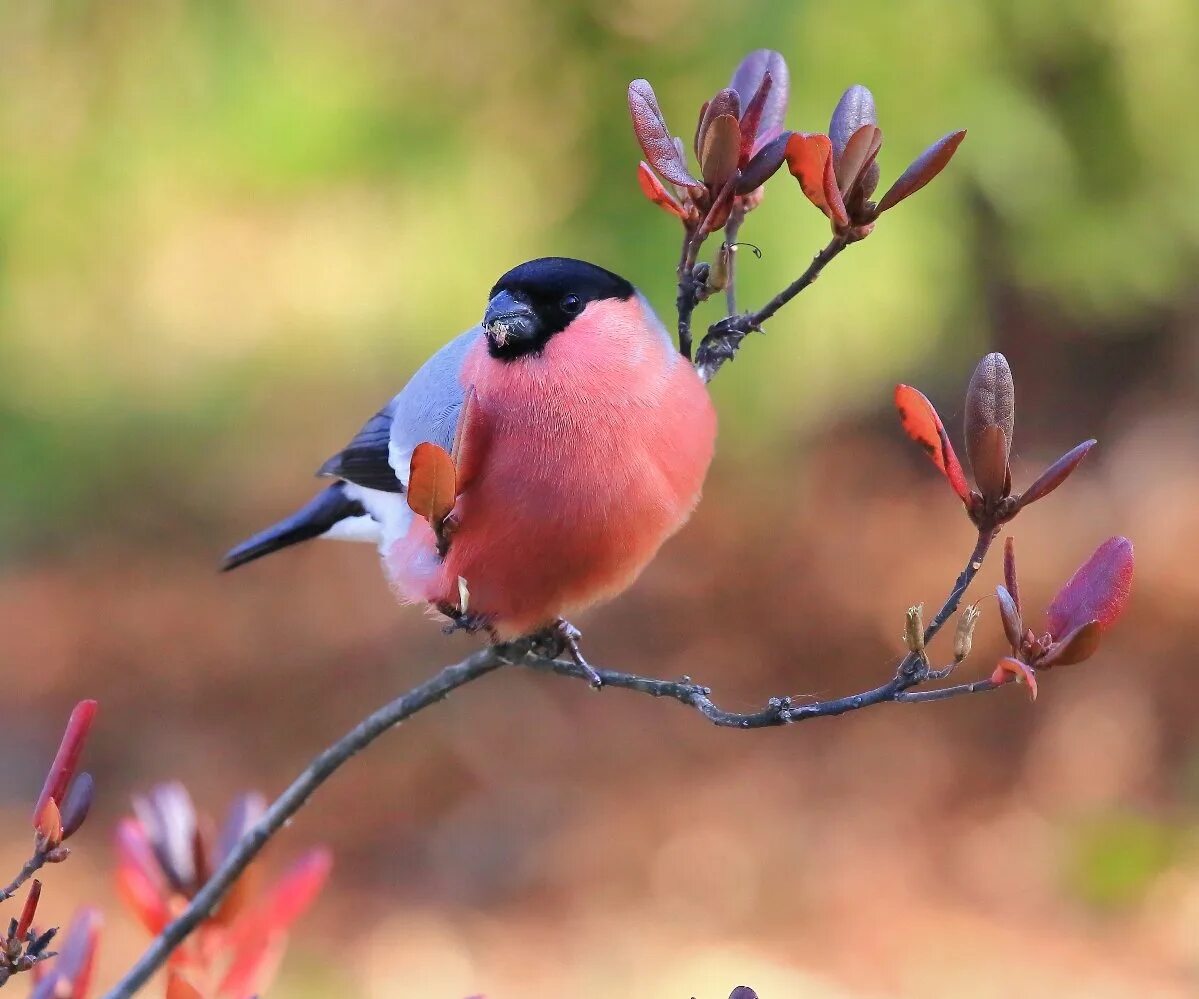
593,453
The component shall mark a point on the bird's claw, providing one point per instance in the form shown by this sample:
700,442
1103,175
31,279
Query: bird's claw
564,638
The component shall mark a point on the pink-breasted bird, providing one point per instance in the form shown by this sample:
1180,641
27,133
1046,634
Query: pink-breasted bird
582,438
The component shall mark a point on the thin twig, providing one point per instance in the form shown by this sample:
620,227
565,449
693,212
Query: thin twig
688,289
723,338
778,711
731,228
30,868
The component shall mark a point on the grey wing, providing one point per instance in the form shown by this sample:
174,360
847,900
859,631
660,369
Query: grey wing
426,409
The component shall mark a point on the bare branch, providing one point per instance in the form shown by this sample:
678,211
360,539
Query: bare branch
291,800
912,671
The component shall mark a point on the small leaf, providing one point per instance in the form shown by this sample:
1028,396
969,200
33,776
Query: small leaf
747,81
1055,474
656,141
1098,591
807,154
751,118
925,167
652,188
921,423
853,110
725,102
764,164
79,802
718,214
699,127
721,144
1009,614
1080,644
832,197
859,153
1009,570
988,457
990,423
1013,669
810,160
432,483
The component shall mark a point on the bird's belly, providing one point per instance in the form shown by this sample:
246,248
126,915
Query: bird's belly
557,522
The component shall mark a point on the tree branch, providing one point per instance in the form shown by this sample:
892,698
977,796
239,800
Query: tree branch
724,337
290,802
30,868
912,670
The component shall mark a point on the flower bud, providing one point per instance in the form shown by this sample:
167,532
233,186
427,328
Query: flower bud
963,638
913,629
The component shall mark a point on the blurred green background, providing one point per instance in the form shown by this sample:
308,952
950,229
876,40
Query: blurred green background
230,230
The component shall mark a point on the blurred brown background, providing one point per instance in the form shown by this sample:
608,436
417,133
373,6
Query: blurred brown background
230,230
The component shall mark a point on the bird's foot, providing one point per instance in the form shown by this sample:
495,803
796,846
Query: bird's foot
562,637
471,623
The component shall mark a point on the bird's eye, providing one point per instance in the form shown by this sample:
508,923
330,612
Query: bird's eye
571,304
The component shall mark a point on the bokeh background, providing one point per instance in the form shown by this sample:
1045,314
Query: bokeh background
230,229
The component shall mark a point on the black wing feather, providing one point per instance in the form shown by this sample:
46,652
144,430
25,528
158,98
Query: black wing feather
364,461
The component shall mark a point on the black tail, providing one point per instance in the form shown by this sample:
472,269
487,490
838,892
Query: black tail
311,521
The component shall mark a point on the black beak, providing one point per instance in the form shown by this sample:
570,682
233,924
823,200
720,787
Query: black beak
510,323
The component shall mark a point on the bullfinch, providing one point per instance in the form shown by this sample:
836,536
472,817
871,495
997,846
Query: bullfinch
581,439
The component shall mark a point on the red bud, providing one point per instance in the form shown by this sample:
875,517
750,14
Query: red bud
990,422
925,167
29,909
67,757
1009,570
1098,591
1055,474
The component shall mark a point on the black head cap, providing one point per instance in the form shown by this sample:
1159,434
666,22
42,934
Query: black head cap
540,298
